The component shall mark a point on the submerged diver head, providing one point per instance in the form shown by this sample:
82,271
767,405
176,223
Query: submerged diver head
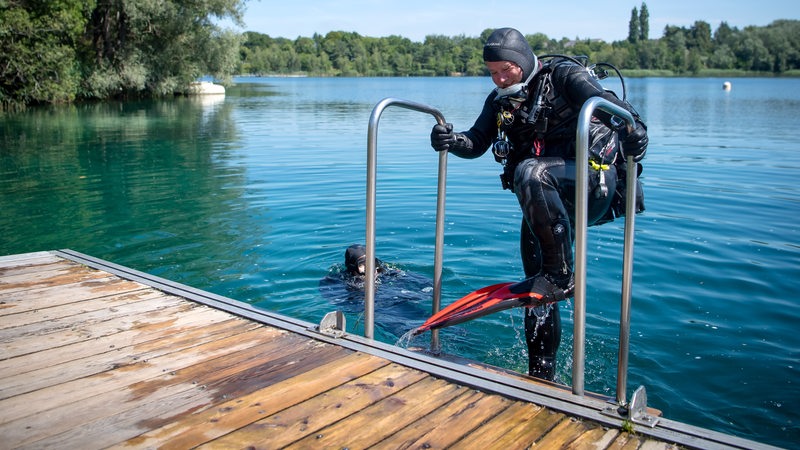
508,44
355,260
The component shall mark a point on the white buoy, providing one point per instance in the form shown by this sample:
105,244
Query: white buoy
726,86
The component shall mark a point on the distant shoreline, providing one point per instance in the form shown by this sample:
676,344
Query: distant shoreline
627,73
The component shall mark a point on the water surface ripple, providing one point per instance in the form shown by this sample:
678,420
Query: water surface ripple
256,196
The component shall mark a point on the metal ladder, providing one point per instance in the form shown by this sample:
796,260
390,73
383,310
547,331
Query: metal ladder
372,163
636,409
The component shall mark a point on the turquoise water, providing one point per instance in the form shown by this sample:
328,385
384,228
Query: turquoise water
256,195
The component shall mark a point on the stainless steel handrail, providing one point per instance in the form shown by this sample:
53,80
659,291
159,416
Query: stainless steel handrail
372,164
581,217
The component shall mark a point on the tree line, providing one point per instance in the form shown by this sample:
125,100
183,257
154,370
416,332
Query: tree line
681,51
56,52
60,51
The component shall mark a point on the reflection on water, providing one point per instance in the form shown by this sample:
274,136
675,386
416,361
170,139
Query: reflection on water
255,195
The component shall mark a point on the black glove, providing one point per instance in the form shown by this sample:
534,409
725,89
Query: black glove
442,137
634,143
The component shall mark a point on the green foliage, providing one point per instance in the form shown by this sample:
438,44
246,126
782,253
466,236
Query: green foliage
773,49
644,23
634,29
37,51
57,51
153,47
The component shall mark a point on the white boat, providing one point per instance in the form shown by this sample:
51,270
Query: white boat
205,88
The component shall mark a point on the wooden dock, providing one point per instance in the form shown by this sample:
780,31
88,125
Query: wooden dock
94,355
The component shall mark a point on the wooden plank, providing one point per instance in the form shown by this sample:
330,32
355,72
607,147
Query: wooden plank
214,383
626,441
34,258
118,342
594,438
164,380
447,425
82,423
524,432
120,377
374,423
123,314
565,433
242,411
23,271
19,346
29,277
495,431
62,312
285,423
36,299
108,356
259,371
89,360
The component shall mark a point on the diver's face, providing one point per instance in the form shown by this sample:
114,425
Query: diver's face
362,267
504,73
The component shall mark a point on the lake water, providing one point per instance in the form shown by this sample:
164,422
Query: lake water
256,195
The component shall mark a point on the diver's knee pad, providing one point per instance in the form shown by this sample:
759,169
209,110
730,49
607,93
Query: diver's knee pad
535,175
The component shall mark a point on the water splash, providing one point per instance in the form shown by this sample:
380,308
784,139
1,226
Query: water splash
405,340
540,312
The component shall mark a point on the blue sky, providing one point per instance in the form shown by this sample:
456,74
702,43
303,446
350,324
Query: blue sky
415,19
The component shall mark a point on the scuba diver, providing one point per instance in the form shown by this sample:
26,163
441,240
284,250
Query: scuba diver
355,263
399,294
529,121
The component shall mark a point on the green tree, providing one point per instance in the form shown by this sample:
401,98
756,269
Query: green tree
675,40
647,55
644,23
722,58
634,31
38,59
141,47
438,51
58,50
752,54
699,37
540,43
725,35
782,40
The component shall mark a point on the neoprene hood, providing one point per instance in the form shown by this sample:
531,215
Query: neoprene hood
354,256
508,44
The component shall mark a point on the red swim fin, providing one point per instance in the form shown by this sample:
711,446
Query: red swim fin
486,300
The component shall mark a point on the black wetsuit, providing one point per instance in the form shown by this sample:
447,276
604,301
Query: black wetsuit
399,294
540,170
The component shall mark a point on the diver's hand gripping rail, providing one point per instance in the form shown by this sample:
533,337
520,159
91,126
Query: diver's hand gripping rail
581,217
372,156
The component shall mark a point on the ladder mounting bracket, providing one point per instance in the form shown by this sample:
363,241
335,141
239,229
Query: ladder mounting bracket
333,324
635,411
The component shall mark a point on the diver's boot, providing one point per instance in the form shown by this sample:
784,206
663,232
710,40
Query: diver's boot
546,288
